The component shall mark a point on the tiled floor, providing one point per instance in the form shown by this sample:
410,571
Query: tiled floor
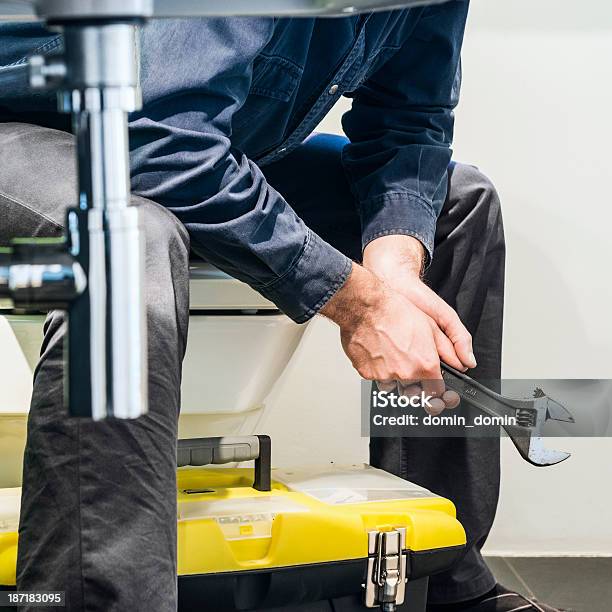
579,584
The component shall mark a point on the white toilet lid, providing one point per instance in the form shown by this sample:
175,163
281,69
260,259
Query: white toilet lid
211,289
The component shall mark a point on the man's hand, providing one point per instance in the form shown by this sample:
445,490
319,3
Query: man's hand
396,330
398,262
386,337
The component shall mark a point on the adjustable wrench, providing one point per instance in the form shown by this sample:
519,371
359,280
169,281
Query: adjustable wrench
529,415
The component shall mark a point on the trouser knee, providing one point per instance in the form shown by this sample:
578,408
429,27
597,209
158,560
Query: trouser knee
475,204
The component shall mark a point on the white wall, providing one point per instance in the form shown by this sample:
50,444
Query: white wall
535,116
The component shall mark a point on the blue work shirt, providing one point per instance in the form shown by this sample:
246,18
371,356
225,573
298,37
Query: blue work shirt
224,97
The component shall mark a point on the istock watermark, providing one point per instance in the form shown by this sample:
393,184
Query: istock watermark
540,407
386,399
447,420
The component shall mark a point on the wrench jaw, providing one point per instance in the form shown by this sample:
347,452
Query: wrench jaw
529,441
541,456
529,414
531,447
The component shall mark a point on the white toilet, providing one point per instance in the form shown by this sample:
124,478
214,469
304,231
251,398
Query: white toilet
239,344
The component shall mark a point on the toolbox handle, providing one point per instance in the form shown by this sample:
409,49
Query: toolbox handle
230,449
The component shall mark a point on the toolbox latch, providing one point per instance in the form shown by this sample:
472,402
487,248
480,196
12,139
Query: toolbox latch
387,569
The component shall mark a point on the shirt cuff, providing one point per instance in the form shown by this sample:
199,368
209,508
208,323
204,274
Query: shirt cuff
313,279
399,213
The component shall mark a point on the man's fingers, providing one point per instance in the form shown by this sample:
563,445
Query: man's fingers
449,322
409,389
451,399
434,387
454,329
386,385
436,407
465,352
445,349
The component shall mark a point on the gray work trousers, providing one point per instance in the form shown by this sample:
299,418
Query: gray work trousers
98,516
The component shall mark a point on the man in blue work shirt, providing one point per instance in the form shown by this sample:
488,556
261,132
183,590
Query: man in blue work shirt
223,148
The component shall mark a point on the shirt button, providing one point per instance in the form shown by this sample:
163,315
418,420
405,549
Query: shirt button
333,90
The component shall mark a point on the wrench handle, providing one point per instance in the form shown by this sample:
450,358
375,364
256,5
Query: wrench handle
480,396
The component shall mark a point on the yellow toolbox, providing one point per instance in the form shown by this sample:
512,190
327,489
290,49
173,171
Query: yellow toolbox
292,539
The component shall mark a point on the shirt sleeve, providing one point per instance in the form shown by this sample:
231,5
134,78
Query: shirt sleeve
400,128
195,75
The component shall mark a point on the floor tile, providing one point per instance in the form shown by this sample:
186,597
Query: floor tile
581,584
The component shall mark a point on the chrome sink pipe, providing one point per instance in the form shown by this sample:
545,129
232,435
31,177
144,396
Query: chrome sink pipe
107,344
96,272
